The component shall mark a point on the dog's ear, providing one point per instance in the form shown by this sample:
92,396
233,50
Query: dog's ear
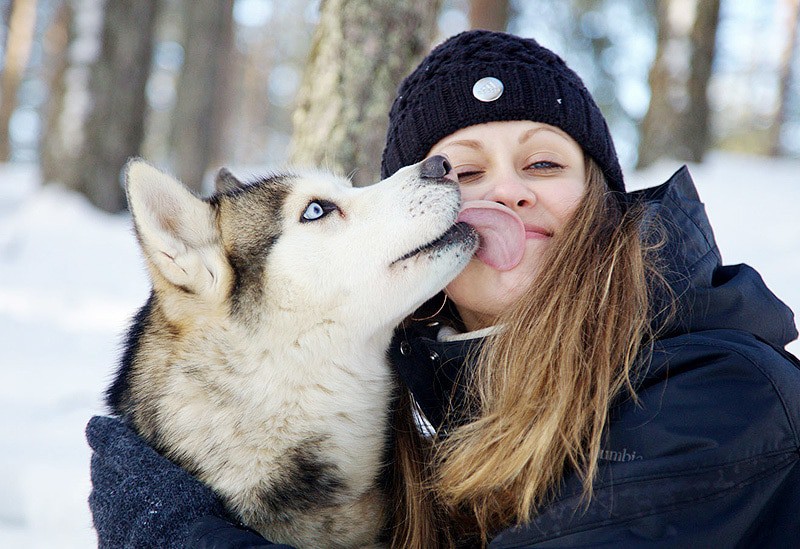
226,181
176,229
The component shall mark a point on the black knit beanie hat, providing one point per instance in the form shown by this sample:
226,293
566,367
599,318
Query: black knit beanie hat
482,76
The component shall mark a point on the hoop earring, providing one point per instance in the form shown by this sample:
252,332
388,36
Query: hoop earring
439,310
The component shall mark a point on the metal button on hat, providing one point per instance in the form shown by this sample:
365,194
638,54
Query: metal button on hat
487,89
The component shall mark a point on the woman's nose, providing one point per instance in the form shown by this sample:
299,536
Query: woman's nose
511,192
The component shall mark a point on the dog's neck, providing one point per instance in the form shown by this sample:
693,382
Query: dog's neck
281,340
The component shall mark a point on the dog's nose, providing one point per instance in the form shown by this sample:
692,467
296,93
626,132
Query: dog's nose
435,167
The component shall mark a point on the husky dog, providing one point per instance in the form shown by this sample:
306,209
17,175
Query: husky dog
259,361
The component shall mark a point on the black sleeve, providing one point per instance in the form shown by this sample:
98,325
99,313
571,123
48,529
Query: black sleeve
212,532
139,498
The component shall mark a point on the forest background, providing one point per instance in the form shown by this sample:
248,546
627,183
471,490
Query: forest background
192,85
195,84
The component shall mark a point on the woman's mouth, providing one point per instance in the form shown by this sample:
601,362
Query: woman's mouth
536,232
501,230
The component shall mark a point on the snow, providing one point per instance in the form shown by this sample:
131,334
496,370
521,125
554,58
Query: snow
71,276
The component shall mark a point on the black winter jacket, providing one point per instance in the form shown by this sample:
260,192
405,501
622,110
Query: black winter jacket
710,457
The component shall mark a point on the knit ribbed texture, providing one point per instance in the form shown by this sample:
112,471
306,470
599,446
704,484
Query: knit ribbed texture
139,498
436,99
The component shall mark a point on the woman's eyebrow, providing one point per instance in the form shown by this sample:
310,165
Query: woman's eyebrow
528,134
469,143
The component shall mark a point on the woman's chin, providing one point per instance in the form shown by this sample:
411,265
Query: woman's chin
489,292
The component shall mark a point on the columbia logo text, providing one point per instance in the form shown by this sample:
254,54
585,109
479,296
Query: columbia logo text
619,455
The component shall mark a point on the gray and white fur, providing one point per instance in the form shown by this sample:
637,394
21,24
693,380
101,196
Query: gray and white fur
259,361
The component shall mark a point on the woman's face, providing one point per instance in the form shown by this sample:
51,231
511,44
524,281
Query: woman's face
535,169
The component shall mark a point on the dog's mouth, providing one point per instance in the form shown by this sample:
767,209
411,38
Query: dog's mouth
457,234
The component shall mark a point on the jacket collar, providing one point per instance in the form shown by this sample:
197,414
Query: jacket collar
709,295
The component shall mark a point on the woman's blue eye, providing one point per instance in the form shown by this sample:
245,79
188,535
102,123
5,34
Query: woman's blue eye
544,165
317,209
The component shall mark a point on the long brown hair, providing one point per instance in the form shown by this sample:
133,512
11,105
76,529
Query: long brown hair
544,384
542,387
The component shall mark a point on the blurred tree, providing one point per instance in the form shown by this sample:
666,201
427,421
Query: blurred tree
18,47
54,153
360,53
114,129
677,120
201,107
658,126
696,118
489,14
786,76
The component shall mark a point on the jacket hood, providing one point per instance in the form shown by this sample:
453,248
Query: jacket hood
708,294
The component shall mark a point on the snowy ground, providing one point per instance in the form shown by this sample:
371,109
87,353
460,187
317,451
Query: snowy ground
71,276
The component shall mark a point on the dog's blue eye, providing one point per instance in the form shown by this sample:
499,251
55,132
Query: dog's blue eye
313,211
317,210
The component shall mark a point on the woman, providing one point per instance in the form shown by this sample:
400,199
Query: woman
616,387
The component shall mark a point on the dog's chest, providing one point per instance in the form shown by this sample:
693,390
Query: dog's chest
247,425
307,449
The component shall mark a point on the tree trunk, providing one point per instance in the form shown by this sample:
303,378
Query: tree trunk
658,124
677,120
115,126
360,53
200,107
53,149
18,48
488,14
696,118
786,75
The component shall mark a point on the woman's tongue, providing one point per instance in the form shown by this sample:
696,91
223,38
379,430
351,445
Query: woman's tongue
501,230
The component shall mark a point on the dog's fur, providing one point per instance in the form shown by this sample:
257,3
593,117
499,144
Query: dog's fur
259,361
